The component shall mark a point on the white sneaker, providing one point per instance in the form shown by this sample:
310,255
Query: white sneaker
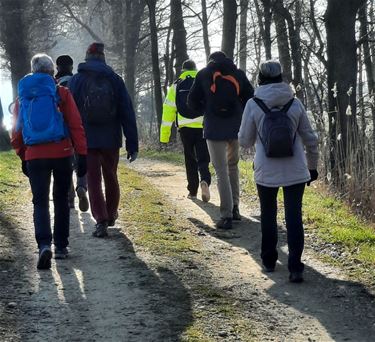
205,191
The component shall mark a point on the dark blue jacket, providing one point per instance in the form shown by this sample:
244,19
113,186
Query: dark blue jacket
106,135
214,126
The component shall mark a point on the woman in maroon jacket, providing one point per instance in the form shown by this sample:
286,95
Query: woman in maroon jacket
40,161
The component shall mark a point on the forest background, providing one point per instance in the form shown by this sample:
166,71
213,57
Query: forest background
326,49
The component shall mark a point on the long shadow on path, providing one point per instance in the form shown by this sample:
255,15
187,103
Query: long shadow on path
345,309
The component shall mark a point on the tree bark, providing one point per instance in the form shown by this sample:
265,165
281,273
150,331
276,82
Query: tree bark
283,46
229,27
151,4
206,40
244,5
340,20
179,35
133,16
265,27
14,36
368,62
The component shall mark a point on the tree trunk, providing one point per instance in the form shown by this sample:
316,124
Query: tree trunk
340,20
244,4
179,35
151,4
368,62
14,37
133,16
283,46
265,27
206,40
229,27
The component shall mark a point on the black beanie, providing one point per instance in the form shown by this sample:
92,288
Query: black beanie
189,65
64,60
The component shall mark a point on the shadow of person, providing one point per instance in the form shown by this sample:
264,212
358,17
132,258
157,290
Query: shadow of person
111,294
345,309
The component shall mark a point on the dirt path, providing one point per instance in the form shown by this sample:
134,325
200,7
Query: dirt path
111,290
326,307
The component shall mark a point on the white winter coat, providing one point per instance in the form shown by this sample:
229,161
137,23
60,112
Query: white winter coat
277,172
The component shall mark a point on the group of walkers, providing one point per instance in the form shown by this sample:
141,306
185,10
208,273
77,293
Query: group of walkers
79,124
216,110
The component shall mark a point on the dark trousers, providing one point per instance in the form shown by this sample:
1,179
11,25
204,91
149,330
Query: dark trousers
40,171
103,163
293,216
197,157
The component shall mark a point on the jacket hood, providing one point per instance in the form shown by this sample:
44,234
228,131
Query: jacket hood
274,94
95,65
223,64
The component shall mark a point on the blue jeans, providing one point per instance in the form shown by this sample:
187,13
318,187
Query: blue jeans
293,217
40,171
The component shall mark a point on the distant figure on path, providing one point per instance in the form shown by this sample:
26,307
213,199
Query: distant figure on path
190,127
47,129
276,122
221,91
64,65
107,112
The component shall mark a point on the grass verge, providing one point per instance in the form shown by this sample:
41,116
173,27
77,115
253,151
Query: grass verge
327,218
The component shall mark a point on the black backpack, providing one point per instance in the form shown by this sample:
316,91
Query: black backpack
277,134
182,92
224,90
99,102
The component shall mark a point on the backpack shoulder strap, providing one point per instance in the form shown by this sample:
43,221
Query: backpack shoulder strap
287,105
262,105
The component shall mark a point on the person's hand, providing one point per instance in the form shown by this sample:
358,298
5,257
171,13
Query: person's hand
314,176
25,171
81,165
132,156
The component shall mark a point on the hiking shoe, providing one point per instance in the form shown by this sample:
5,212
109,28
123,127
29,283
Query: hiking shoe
112,222
268,269
205,189
83,202
44,261
224,223
61,253
236,213
191,196
296,277
101,230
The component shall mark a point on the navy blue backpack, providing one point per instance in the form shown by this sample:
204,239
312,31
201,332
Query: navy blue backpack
277,134
39,117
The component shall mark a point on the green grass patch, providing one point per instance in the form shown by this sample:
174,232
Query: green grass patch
168,156
154,222
12,181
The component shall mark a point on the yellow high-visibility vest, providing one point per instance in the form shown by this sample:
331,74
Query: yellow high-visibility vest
170,112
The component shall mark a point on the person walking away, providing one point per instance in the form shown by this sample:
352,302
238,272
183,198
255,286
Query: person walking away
47,128
221,91
277,123
64,66
190,127
106,110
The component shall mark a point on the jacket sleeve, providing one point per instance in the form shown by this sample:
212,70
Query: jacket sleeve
127,117
16,135
248,132
73,120
169,114
309,139
196,95
247,90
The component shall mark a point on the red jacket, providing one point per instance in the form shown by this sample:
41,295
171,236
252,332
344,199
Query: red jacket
64,148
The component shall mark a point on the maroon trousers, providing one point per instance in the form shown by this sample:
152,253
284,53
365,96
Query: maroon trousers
103,162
